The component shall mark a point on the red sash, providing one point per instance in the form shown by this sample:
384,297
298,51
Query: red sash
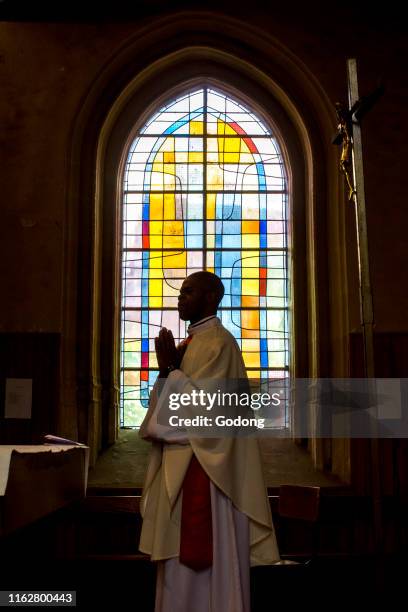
196,525
196,520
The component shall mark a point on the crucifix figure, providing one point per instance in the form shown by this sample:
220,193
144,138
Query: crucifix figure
351,165
344,137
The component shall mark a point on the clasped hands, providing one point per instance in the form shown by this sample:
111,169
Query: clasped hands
168,356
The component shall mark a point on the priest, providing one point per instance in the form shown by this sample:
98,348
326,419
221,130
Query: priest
206,514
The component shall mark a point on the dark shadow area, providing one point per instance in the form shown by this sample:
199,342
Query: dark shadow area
130,585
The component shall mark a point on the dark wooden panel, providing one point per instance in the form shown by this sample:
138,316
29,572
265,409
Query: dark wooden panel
391,355
391,361
35,356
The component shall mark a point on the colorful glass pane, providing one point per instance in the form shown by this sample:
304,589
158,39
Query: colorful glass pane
204,189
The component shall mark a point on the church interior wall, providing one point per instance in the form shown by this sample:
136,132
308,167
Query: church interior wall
47,70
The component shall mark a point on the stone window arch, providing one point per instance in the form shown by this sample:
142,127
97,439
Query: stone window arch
277,86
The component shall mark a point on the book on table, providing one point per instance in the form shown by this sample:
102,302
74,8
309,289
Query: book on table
51,439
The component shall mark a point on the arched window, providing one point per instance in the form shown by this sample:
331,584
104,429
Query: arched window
266,81
205,187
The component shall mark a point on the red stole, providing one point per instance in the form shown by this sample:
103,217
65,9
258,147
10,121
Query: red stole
196,520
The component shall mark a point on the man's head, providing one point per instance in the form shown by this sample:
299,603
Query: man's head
200,295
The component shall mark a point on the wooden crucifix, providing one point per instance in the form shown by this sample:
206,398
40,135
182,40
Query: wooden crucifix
351,164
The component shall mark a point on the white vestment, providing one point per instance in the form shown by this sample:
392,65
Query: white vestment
241,521
222,588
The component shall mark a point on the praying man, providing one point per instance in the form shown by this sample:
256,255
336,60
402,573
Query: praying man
205,509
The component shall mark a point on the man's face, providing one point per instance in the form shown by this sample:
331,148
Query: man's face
192,302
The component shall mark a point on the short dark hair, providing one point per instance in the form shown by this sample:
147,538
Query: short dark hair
212,282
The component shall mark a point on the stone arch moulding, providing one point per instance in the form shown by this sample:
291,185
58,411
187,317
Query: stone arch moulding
262,73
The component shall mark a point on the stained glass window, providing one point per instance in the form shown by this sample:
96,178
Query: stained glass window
204,189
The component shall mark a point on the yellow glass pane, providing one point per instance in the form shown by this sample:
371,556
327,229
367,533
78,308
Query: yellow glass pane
211,197
169,206
175,228
250,272
155,302
230,158
250,241
250,227
221,128
250,287
250,259
196,127
156,206
173,242
251,360
229,151
169,169
155,287
168,157
156,242
156,272
250,300
158,167
234,158
173,234
232,145
254,374
156,234
224,128
229,130
156,227
250,323
155,261
210,241
195,157
176,260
